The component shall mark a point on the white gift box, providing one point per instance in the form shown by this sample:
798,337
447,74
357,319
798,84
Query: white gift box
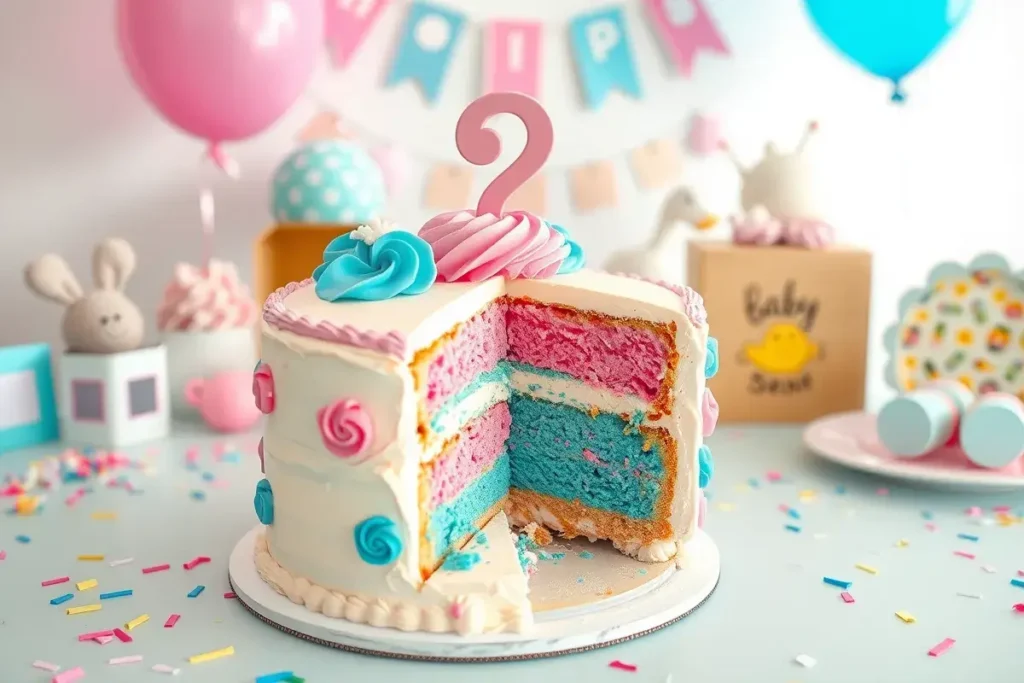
116,399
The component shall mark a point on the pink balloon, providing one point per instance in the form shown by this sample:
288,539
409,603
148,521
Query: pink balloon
221,69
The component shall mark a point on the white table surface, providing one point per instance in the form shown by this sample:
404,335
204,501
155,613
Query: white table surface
770,606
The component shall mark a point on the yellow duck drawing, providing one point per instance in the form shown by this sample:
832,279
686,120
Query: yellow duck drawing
784,349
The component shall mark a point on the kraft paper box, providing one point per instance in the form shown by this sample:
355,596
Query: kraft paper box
792,328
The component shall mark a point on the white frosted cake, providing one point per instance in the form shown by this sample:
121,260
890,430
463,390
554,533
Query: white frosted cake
430,396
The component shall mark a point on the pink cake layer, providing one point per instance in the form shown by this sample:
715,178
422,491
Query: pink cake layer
623,359
477,347
481,443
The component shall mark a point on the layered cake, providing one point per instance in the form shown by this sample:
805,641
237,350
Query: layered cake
431,395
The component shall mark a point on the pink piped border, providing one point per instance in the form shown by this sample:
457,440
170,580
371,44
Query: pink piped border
275,314
693,303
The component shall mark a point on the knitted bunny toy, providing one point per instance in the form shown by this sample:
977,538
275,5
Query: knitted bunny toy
104,320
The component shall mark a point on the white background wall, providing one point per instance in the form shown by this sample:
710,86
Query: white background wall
83,156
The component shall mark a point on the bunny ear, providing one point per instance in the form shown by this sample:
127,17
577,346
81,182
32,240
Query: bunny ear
50,277
113,262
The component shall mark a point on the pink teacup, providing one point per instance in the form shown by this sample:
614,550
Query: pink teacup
224,400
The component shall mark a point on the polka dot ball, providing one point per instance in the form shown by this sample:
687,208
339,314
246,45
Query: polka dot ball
328,181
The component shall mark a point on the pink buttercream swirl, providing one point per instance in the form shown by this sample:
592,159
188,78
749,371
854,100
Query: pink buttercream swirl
470,248
276,314
206,299
709,412
263,388
345,427
692,302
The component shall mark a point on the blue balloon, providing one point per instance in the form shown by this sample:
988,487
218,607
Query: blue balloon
888,38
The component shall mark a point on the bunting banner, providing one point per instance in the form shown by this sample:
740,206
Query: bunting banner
512,53
426,46
346,23
512,59
686,28
603,55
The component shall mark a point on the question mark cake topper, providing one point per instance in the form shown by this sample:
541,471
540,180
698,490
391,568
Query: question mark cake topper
469,245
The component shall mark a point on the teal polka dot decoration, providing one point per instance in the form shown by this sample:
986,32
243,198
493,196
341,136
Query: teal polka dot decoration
328,181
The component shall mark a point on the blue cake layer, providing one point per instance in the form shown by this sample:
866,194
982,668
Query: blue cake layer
561,451
450,522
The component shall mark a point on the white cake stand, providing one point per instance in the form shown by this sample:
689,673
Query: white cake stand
668,597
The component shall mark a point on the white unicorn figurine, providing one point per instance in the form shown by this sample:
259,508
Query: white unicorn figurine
662,257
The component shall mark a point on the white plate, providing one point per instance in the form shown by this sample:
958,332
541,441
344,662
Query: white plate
654,605
851,440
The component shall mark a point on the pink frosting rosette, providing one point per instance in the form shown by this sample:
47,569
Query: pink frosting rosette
709,412
470,248
345,427
263,388
206,299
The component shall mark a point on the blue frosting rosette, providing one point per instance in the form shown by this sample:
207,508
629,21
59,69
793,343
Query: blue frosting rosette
369,267
707,466
711,359
576,258
377,540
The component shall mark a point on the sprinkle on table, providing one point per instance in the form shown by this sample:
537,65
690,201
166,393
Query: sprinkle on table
838,583
622,666
156,568
122,636
131,659
974,511
902,543
69,676
906,617
87,584
164,669
83,637
1019,607
847,598
54,582
61,599
46,666
975,596
866,568
278,677
104,516
988,569
84,609
968,537
22,538
1019,583
230,595
136,622
964,553
931,527
90,558
3,554
212,655
172,620
1020,572
793,527
116,594
118,563
942,648
806,661
192,564
195,592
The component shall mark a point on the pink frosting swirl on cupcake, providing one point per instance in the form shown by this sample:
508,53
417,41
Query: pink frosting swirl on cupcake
471,248
205,299
345,427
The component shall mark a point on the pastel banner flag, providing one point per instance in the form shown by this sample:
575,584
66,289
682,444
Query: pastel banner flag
512,57
604,56
448,187
346,23
686,28
593,186
426,46
657,164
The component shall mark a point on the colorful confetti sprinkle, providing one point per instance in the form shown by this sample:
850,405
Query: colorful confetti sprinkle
906,617
838,583
968,537
847,598
941,648
213,654
622,666
866,568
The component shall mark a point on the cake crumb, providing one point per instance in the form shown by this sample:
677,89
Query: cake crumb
538,534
